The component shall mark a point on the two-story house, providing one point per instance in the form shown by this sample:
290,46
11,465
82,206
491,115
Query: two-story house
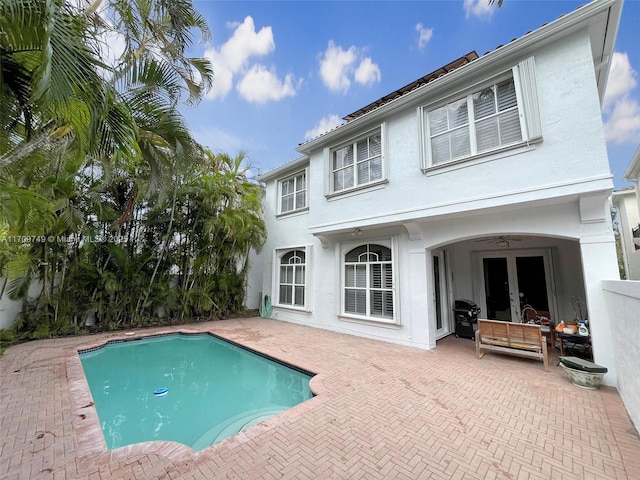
487,179
627,203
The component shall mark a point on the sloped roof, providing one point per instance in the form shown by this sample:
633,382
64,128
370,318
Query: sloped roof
297,163
469,57
633,170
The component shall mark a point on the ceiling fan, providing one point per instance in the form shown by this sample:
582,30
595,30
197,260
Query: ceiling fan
502,240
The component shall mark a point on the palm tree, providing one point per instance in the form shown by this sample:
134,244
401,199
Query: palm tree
156,36
66,116
50,86
53,94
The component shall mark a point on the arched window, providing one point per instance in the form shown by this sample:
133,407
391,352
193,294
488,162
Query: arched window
292,278
368,281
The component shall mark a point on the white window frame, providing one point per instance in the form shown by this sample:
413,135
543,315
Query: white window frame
348,247
353,143
279,254
305,189
524,79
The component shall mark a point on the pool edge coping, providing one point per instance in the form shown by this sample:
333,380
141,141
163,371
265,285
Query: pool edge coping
90,442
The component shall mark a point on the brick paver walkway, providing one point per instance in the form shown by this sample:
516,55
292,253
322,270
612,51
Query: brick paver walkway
382,412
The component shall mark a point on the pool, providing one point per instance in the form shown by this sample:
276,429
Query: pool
196,389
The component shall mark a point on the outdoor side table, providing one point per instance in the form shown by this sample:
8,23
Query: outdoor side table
574,344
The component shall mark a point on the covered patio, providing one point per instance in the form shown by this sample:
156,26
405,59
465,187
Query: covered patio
382,411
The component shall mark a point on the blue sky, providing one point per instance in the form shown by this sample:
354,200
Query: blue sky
286,71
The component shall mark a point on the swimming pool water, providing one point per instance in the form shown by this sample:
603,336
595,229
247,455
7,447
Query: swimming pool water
215,389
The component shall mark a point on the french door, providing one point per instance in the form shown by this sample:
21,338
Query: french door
511,280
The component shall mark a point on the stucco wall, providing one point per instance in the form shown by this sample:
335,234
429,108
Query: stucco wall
571,158
284,232
623,301
323,286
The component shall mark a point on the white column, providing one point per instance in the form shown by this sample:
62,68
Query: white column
420,306
600,262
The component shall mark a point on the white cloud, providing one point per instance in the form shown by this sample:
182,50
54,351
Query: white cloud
424,35
233,57
367,72
622,78
245,43
336,65
222,75
338,68
620,108
623,124
478,8
261,85
326,123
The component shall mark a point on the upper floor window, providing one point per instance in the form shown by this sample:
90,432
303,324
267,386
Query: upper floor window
476,123
291,278
368,282
484,120
293,193
357,163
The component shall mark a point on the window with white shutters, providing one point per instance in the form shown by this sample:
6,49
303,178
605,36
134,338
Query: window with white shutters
291,278
368,282
357,163
502,114
496,116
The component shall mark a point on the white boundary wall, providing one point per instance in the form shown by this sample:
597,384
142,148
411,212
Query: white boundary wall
9,311
623,301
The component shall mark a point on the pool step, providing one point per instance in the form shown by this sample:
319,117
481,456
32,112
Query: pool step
236,424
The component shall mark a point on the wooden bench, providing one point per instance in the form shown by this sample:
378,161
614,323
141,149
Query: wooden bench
521,339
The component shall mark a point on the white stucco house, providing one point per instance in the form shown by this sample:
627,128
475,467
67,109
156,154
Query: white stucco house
487,179
627,204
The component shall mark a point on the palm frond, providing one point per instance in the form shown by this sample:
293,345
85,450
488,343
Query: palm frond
153,75
21,270
25,212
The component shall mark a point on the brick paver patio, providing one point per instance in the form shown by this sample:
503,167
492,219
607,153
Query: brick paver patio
382,412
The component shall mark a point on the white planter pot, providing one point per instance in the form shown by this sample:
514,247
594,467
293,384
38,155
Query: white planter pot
583,379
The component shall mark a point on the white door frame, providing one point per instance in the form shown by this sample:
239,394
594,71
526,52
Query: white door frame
510,256
444,300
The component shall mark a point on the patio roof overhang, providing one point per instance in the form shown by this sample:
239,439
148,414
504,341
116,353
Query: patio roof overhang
409,218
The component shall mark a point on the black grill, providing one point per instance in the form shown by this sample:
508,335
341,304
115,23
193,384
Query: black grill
466,318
